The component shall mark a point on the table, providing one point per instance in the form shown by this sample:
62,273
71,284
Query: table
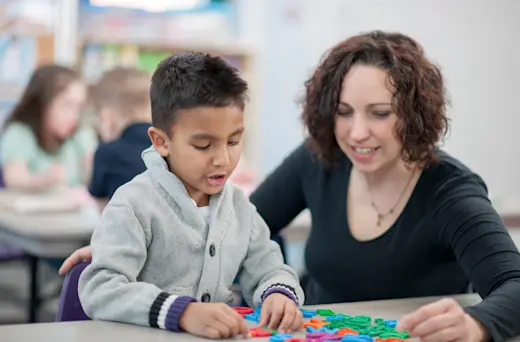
45,235
53,234
89,331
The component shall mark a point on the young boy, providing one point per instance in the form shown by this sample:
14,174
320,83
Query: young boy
122,102
179,233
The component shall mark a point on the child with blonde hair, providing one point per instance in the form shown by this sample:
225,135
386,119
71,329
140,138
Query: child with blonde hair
122,103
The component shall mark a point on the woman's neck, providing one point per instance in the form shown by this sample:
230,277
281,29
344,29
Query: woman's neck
389,178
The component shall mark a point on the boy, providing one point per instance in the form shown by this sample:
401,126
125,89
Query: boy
178,232
122,102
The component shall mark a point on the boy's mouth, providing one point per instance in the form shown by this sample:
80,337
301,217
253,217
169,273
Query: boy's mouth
217,179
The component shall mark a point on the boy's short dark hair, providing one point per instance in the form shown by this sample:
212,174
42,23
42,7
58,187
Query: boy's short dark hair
189,80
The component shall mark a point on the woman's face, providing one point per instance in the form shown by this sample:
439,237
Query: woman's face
63,113
365,124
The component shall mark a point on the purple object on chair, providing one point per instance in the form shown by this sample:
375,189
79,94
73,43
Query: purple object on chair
9,253
70,308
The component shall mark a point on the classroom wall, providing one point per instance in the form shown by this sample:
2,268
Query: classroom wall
473,40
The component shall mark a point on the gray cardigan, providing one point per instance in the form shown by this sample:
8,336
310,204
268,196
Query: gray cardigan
153,253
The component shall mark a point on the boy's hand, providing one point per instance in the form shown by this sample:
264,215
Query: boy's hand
213,320
281,313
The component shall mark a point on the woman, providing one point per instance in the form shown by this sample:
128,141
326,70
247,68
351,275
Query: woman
393,216
43,144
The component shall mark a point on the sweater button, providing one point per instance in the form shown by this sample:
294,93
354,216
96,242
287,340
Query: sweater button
206,297
212,250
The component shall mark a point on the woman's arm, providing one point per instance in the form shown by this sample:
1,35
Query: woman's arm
485,251
280,198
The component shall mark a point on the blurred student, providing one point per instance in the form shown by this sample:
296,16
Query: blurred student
121,99
43,144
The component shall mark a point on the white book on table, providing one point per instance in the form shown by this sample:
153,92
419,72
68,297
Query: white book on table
29,204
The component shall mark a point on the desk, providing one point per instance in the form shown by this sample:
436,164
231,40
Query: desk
45,235
55,234
89,331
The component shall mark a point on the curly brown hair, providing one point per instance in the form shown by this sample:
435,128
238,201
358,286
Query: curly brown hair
419,98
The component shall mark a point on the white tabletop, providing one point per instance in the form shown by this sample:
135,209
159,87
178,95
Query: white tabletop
47,234
90,331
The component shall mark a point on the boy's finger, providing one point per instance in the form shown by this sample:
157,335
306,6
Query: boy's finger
276,316
287,319
297,321
240,323
265,316
212,333
229,321
242,327
223,329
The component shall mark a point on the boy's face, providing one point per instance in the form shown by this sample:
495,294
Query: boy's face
204,149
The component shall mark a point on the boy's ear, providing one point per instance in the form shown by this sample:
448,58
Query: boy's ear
159,140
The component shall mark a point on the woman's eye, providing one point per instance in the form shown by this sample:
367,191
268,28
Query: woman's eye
233,143
382,114
343,113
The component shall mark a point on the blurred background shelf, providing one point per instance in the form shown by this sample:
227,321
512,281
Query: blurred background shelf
109,36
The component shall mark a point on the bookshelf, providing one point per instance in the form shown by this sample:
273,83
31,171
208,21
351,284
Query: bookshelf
98,54
20,53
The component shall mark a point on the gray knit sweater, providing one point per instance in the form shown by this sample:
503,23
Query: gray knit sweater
153,252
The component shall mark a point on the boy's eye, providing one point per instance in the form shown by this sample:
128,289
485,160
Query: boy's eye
201,148
233,143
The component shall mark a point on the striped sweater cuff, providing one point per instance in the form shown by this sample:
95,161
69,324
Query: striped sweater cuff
166,311
282,289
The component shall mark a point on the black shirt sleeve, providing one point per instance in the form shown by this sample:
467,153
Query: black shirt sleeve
98,187
280,198
485,251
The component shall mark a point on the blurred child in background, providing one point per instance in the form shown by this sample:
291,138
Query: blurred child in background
122,102
43,144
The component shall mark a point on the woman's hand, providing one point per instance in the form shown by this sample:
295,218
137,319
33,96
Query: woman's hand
82,254
440,321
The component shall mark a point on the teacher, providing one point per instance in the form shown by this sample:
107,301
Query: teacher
393,216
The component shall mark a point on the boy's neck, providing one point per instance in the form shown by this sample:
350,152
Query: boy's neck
201,199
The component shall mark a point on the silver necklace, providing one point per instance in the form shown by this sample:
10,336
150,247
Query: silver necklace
381,216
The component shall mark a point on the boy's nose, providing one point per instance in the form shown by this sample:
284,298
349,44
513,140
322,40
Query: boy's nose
222,158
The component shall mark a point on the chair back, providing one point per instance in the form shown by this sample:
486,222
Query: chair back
70,308
11,253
